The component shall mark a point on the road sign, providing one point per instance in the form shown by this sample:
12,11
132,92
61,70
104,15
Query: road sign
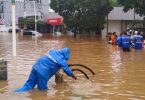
54,21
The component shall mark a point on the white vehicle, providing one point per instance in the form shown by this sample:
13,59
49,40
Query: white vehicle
3,28
34,33
57,33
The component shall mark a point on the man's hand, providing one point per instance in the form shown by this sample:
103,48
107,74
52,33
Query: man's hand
74,77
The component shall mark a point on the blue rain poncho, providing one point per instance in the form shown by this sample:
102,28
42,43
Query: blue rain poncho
125,42
137,42
45,67
119,41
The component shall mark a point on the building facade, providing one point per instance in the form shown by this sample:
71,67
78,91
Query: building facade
25,8
119,21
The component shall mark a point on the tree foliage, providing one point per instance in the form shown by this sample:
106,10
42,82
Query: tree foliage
137,5
40,22
27,21
84,15
114,3
30,21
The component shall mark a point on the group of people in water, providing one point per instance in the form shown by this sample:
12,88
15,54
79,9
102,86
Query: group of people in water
126,40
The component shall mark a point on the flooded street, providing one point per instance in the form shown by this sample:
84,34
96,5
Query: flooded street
119,75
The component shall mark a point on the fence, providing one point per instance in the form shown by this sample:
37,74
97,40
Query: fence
3,70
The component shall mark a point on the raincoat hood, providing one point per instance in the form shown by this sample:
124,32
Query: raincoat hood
61,54
66,53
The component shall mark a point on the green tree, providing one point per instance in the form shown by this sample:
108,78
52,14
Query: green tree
137,5
28,21
114,2
40,22
84,15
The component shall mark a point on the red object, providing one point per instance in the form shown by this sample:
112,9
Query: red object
1,21
54,21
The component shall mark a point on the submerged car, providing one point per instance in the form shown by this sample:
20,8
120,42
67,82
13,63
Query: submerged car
17,30
34,33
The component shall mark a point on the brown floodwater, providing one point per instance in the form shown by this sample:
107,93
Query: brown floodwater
119,75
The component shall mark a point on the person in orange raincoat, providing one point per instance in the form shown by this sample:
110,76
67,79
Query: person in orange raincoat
113,36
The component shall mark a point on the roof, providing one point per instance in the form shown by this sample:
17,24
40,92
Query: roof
51,15
118,14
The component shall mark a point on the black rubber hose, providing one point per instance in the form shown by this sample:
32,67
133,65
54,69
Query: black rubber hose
81,72
70,65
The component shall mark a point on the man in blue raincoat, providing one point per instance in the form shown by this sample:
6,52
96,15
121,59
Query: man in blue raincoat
125,42
119,40
45,67
137,42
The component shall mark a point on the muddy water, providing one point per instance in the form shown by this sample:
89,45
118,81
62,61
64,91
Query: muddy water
119,75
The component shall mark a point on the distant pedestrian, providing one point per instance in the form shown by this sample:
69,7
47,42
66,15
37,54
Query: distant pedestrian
119,40
113,38
125,42
137,42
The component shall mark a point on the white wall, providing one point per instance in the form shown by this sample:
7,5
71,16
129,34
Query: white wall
113,26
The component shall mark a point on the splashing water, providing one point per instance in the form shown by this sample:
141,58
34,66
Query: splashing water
84,87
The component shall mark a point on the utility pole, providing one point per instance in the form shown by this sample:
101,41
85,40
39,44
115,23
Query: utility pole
49,5
14,27
24,9
35,15
39,9
107,24
134,21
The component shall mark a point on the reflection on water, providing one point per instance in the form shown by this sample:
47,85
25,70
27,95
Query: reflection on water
119,75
